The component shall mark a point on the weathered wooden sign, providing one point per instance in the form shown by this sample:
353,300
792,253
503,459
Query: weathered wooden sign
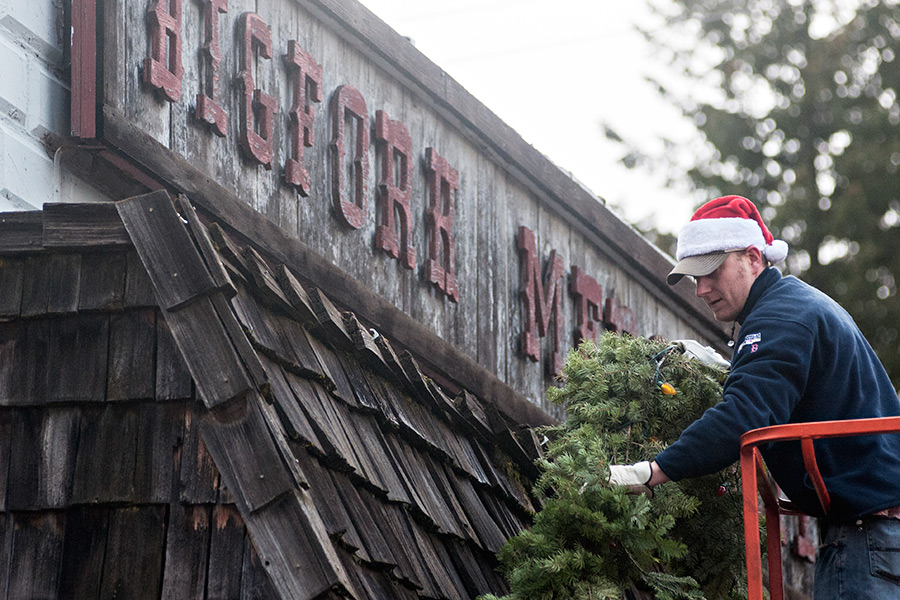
334,129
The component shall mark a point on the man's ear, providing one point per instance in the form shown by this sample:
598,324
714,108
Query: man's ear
758,262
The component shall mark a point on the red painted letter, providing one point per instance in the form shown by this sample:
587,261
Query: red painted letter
619,318
348,107
257,107
306,80
163,70
542,298
443,181
589,304
208,109
393,190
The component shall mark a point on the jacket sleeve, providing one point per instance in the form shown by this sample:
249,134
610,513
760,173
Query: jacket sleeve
768,377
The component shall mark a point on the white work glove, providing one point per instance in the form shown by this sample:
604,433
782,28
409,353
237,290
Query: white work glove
634,477
704,354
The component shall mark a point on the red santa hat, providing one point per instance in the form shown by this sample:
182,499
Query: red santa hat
725,224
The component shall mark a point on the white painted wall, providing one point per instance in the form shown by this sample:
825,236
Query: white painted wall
34,107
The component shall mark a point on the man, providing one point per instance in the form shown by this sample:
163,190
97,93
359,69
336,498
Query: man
800,358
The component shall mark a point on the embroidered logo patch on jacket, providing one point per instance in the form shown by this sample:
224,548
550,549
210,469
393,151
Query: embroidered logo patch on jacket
752,340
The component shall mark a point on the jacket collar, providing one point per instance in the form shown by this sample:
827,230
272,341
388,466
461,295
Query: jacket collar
764,281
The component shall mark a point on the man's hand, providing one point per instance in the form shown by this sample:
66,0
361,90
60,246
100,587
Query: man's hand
704,354
635,477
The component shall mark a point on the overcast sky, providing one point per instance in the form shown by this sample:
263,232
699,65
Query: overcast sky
555,72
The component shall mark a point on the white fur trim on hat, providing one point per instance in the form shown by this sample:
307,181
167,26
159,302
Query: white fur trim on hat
716,235
777,251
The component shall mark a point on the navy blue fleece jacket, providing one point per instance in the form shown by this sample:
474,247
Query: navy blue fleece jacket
799,358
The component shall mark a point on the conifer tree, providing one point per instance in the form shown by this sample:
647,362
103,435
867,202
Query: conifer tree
797,107
625,400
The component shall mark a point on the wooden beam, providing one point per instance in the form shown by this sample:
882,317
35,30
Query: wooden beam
76,226
21,231
84,69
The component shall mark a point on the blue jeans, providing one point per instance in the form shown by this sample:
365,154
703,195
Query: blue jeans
859,561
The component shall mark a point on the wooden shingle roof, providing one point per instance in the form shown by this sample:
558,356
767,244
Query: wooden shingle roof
180,417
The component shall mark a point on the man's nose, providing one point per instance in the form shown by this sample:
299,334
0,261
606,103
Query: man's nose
702,286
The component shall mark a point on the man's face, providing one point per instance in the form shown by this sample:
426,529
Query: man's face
725,290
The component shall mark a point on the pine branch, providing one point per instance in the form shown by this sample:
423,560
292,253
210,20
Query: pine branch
590,540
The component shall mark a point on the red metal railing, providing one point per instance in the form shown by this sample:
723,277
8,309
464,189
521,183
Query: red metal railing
754,477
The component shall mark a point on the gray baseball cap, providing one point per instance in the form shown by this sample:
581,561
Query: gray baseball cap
697,266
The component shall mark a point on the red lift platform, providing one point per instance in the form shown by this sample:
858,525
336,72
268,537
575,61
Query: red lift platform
755,478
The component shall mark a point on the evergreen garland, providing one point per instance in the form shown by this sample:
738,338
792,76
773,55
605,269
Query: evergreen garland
591,540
